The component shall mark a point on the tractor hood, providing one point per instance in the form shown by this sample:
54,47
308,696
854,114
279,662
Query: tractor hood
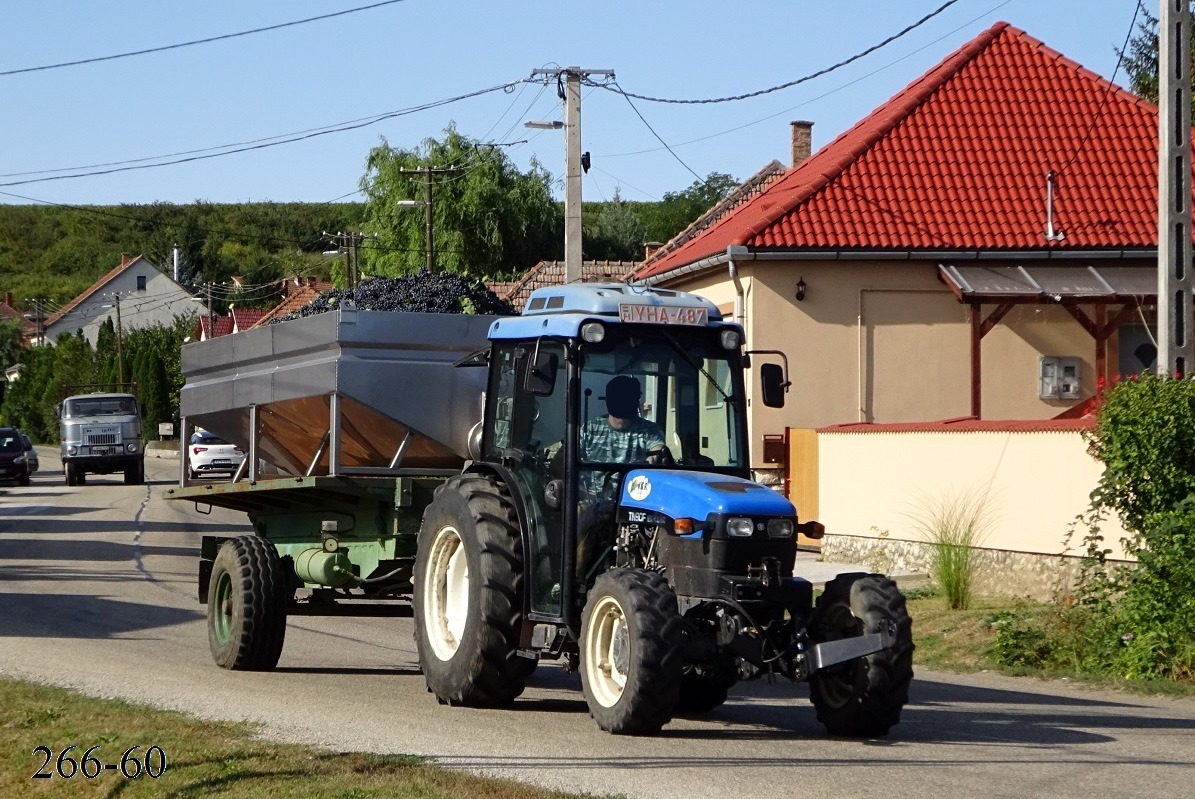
676,493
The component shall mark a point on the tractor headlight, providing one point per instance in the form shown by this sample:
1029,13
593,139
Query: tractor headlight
780,528
739,527
731,339
593,332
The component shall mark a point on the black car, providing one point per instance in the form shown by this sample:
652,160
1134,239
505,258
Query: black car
13,463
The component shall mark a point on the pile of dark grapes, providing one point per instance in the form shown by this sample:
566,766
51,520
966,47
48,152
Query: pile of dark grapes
422,291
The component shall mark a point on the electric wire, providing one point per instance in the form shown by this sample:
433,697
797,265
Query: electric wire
658,137
804,79
814,99
268,144
194,42
1107,94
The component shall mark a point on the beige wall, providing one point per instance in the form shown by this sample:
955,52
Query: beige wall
877,485
886,341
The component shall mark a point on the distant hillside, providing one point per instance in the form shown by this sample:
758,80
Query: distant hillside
56,252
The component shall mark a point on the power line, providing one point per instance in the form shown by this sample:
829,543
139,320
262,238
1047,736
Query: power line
653,132
268,144
791,83
208,40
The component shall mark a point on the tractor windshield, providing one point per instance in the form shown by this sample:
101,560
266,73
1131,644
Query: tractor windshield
662,396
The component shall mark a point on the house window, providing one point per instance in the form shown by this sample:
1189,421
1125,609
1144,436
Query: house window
140,282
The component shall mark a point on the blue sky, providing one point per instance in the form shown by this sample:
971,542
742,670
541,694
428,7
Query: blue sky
420,51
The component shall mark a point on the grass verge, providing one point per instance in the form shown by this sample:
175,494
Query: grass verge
203,758
964,641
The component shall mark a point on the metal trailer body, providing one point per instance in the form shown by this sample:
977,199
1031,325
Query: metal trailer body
350,420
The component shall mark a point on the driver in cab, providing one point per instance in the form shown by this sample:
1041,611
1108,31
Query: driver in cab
622,435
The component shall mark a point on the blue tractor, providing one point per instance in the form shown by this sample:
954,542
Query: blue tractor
617,527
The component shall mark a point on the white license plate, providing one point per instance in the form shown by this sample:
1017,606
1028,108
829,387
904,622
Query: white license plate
662,314
105,450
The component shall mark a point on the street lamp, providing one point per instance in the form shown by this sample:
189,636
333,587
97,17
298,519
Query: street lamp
544,124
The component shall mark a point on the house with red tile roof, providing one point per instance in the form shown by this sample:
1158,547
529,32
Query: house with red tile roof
9,313
984,244
238,319
551,273
297,292
138,291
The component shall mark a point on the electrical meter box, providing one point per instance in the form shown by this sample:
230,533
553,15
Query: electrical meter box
1058,377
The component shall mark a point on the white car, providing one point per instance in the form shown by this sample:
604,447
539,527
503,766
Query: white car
208,453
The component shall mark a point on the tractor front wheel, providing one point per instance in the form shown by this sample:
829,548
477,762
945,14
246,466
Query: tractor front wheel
862,698
631,656
468,598
246,605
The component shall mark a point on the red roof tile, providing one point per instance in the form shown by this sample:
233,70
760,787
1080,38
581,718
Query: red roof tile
551,273
968,425
297,296
958,160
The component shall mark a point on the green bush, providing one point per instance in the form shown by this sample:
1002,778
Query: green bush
954,527
1137,621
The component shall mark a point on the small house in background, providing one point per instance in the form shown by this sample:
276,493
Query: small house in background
9,313
551,273
136,291
212,326
297,292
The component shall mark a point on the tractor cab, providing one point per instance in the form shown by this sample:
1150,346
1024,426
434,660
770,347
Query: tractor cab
612,405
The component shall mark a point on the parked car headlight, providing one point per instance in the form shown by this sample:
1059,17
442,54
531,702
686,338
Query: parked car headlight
739,527
780,528
19,459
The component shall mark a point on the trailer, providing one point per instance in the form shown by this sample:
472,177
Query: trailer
573,484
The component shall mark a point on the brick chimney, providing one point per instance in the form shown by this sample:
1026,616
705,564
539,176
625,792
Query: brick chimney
650,248
802,140
8,298
125,259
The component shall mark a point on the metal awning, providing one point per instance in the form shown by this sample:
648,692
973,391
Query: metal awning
1032,284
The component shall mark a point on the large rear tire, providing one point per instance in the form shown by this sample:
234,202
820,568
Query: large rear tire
862,698
468,598
246,605
631,660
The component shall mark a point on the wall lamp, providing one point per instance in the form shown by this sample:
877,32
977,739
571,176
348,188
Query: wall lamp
801,287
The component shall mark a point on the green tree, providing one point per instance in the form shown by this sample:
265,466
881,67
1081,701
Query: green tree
679,209
618,232
1140,58
489,218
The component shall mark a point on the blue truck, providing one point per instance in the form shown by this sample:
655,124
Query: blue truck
445,467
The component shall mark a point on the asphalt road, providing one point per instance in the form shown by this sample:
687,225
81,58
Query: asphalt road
97,593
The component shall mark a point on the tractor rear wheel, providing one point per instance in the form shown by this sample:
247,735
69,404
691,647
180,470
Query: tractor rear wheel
631,651
862,698
246,605
468,598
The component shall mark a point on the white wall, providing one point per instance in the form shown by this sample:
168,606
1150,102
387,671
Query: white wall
877,484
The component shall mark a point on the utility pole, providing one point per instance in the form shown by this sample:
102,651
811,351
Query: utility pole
119,340
570,92
429,242
1176,352
211,312
37,303
346,245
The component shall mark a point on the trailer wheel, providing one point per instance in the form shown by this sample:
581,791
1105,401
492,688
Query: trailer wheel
468,598
705,687
246,605
631,651
862,698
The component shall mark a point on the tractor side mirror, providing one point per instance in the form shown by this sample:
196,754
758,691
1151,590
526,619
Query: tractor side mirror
772,384
540,378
